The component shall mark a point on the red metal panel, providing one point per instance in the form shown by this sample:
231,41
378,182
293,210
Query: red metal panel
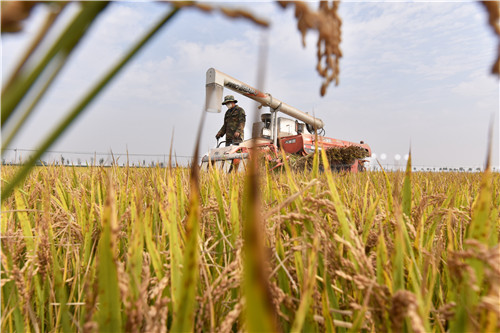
292,144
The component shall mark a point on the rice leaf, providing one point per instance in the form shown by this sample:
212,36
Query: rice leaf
398,260
345,226
170,222
61,296
235,216
151,245
185,307
184,313
407,189
25,223
480,227
109,314
135,250
329,326
307,289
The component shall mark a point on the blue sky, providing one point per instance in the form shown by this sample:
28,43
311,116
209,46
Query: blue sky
411,74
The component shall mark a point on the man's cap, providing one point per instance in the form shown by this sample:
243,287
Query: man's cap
229,98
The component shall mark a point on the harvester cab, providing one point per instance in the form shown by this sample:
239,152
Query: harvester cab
298,136
285,127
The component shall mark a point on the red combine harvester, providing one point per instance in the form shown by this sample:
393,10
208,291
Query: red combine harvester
294,136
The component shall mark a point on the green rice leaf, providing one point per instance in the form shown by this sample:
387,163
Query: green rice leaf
151,244
183,320
109,314
135,250
407,189
25,223
307,289
480,227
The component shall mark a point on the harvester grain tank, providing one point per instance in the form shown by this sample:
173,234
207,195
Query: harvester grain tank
296,136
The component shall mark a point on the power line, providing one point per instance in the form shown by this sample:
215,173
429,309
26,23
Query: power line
387,166
94,153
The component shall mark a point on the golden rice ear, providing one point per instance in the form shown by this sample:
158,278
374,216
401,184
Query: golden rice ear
233,13
327,23
14,12
493,9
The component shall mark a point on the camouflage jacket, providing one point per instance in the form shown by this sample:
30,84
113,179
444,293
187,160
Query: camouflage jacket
234,121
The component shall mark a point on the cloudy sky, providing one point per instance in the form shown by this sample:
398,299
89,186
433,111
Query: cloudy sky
412,74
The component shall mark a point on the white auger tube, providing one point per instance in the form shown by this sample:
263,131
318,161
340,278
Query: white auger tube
216,81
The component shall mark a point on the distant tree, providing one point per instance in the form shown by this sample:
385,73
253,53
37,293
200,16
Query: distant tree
62,160
101,161
79,161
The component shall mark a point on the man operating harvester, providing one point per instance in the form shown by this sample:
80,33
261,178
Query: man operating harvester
234,122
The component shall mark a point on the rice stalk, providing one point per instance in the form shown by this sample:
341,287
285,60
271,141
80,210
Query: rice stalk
109,315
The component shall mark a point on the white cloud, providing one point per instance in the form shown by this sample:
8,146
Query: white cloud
478,87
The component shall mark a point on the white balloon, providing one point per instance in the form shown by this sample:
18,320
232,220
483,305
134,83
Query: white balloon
397,157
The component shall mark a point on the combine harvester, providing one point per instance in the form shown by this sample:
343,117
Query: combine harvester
295,137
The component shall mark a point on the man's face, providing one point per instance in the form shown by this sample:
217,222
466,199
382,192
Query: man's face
230,105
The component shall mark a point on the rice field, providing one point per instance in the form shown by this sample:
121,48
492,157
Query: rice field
98,249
